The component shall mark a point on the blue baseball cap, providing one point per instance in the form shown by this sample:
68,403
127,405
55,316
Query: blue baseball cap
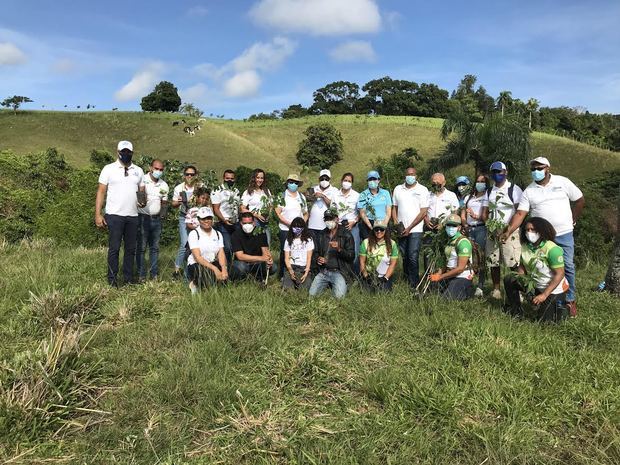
373,174
498,165
462,180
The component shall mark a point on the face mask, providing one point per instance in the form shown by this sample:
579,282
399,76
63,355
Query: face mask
330,224
125,158
292,187
324,184
346,185
462,189
481,187
373,184
247,227
435,187
229,183
157,173
538,175
451,230
410,180
498,177
532,236
297,231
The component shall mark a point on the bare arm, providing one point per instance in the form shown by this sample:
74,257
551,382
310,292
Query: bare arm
578,208
515,222
363,271
391,268
218,212
281,218
556,279
102,189
461,265
395,214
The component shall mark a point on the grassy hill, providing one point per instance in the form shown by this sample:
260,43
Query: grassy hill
268,144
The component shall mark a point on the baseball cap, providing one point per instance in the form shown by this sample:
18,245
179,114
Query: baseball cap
453,220
325,173
329,215
380,224
125,145
540,161
498,165
462,180
373,174
204,212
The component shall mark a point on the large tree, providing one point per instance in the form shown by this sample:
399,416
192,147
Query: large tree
165,97
336,98
322,146
15,102
532,106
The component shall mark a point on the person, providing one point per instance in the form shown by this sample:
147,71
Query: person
374,204
455,281
463,189
206,264
473,218
346,204
332,259
251,251
119,183
322,196
410,208
502,202
226,200
258,200
543,261
150,218
441,203
378,258
181,199
550,196
298,247
201,198
290,204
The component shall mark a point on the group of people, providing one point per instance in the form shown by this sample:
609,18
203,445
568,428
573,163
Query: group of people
330,236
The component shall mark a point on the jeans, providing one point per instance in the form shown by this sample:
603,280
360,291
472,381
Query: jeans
266,230
456,289
567,242
409,247
329,278
282,267
149,231
241,270
375,284
355,232
479,235
183,233
288,283
226,232
125,229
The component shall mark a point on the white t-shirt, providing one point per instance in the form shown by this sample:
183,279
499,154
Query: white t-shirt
552,202
299,251
292,208
121,198
409,202
499,197
228,199
319,206
440,205
255,201
346,204
156,191
476,204
176,195
208,243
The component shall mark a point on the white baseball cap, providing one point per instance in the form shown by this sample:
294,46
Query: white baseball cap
204,212
540,161
124,145
325,173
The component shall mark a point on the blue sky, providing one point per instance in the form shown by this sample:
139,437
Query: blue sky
241,57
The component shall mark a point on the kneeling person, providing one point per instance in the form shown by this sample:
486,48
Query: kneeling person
251,250
206,264
332,260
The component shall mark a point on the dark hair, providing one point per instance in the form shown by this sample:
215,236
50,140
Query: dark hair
252,184
192,167
372,240
474,192
345,175
246,215
541,226
298,222
202,191
228,172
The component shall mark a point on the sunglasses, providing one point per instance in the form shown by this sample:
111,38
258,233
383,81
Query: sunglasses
536,168
126,171
378,230
324,178
373,179
190,174
290,181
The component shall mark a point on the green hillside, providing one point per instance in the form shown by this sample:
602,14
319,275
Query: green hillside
269,144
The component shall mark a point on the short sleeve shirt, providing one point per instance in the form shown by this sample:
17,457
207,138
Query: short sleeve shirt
208,243
176,196
501,207
375,205
476,204
315,221
440,205
228,200
346,205
249,244
540,261
156,192
410,200
459,246
378,259
293,207
299,250
256,200
122,187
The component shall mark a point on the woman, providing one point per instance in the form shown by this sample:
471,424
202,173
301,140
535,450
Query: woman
346,204
257,200
206,264
298,248
290,204
378,258
543,262
374,204
181,199
473,218
201,198
462,189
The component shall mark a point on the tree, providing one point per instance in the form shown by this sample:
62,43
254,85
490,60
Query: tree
322,146
15,102
165,97
336,98
392,169
387,96
465,97
504,100
191,110
294,111
531,106
486,103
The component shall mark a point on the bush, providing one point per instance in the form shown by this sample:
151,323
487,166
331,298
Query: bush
392,169
100,158
321,148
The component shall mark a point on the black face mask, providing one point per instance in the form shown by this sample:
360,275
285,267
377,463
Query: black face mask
125,158
435,187
229,183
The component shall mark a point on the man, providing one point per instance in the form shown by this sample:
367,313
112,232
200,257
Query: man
374,204
332,258
503,200
226,201
119,183
549,197
251,250
408,213
463,188
322,195
441,202
150,218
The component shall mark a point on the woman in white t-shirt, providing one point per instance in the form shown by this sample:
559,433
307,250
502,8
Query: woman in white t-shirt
257,199
298,248
206,264
474,216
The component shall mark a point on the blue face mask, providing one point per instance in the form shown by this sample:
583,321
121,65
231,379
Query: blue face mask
156,174
481,187
538,175
410,180
292,187
451,230
498,177
373,184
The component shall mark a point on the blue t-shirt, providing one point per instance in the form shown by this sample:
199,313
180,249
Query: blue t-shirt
375,205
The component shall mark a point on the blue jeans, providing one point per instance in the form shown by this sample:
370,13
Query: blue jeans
149,231
456,289
479,236
241,270
327,278
121,229
179,262
409,247
226,232
567,242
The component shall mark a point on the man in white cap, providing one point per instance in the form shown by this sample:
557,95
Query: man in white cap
549,197
322,196
119,184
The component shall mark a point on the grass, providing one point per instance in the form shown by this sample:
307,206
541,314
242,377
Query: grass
240,376
272,145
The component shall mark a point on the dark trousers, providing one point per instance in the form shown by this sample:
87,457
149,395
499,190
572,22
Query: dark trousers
121,229
376,284
364,230
241,270
149,232
409,247
551,310
282,236
456,289
226,232
202,276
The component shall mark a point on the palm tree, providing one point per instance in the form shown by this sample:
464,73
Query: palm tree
532,106
504,100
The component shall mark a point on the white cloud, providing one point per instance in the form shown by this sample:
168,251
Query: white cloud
141,83
243,84
11,55
197,11
264,56
318,17
193,93
64,66
354,51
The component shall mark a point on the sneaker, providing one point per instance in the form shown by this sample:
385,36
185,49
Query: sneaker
572,308
478,292
496,294
176,275
193,288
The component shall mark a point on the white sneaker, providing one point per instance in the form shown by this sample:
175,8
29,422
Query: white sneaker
193,288
478,292
496,294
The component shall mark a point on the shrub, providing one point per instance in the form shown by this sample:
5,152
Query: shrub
321,148
100,158
392,168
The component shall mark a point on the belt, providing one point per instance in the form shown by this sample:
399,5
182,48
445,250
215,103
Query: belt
153,217
475,225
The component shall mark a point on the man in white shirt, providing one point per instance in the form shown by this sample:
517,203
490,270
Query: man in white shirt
441,202
549,197
119,183
150,219
410,205
322,196
226,200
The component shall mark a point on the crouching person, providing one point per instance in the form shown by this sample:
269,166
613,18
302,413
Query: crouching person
332,260
455,281
378,258
251,251
543,261
206,264
298,247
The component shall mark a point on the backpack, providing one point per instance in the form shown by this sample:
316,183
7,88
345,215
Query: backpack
477,255
511,190
188,252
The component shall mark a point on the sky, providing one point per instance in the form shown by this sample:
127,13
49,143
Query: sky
236,58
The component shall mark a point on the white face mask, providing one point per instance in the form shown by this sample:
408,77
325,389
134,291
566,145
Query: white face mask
247,227
346,185
532,236
330,224
324,184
